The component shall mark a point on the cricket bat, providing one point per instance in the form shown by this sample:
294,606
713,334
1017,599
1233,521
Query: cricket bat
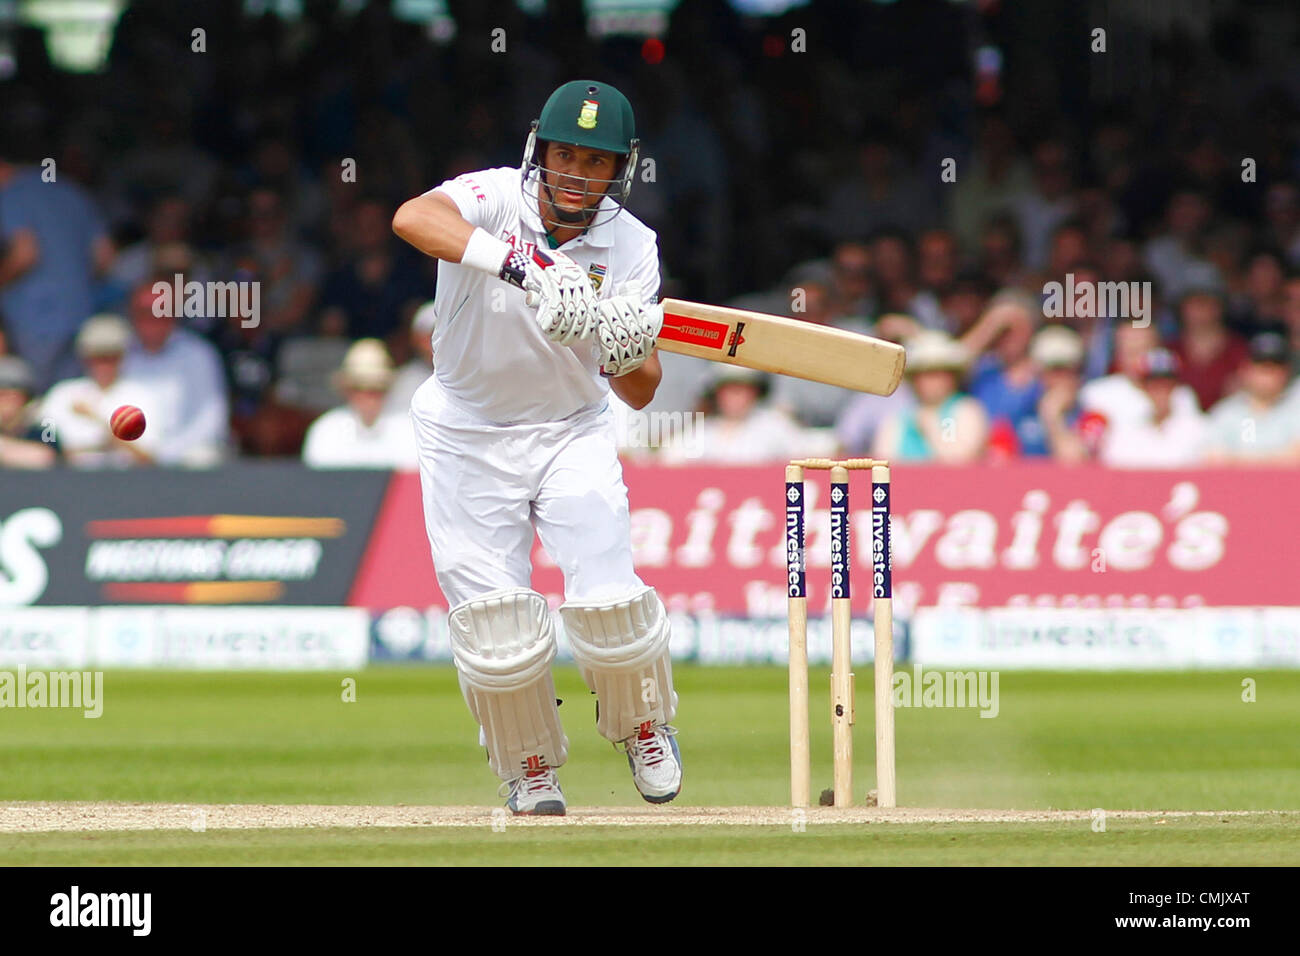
770,343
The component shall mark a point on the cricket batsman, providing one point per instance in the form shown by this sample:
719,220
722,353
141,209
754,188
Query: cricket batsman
545,302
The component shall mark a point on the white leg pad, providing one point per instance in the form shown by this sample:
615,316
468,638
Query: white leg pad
621,647
503,643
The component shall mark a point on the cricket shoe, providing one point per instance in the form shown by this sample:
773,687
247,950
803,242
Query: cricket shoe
655,761
535,794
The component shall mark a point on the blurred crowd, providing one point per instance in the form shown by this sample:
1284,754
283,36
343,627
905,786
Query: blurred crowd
278,156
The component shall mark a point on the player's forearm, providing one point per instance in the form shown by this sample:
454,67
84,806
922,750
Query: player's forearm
638,387
434,227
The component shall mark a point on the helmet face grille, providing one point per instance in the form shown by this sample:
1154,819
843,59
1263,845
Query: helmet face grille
532,183
616,191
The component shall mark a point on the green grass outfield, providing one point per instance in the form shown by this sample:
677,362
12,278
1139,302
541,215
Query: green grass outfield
1156,742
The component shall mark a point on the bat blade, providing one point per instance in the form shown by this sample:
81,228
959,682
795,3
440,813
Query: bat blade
771,343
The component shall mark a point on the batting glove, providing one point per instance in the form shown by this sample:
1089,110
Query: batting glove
566,303
626,333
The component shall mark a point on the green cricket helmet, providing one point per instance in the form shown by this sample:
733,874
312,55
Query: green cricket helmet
597,116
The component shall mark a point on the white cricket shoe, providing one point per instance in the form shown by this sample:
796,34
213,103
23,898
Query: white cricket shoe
535,793
655,761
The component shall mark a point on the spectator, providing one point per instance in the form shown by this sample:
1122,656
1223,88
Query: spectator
1000,253
997,174
1122,398
964,302
1086,319
1069,250
79,409
1059,429
21,444
1209,354
164,160
1282,209
1260,424
740,428
52,245
852,287
1171,436
1047,203
260,423
858,424
417,369
168,225
360,433
1174,255
1005,378
883,194
936,258
1121,260
289,270
944,425
375,292
891,252
185,374
1290,317
1260,303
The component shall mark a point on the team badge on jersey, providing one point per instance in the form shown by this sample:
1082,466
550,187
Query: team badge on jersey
587,116
597,275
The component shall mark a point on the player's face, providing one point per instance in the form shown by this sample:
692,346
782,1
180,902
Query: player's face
578,176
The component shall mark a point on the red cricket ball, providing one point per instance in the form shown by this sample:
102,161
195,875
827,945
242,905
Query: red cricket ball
127,423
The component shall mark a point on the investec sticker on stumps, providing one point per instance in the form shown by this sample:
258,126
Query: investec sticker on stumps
796,585
882,585
839,540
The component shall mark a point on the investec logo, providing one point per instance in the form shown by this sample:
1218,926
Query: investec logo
880,542
793,556
839,543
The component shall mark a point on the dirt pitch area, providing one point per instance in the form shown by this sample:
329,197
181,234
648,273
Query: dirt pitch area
73,817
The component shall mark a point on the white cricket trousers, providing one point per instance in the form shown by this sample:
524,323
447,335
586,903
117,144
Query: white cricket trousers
487,486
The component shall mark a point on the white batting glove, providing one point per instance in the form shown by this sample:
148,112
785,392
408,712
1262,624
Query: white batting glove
626,333
565,301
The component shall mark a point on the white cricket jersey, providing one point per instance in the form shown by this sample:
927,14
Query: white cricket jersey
493,360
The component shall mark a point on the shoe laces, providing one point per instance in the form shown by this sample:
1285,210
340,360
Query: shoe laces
648,743
534,781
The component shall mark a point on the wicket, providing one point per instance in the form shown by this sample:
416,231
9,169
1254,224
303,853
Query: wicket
842,685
